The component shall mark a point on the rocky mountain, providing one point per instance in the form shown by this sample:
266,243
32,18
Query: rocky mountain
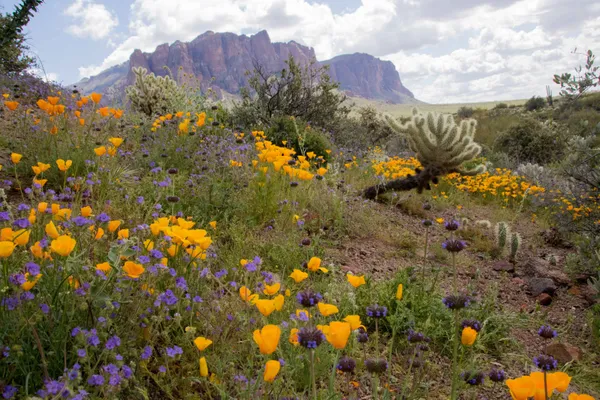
365,76
220,61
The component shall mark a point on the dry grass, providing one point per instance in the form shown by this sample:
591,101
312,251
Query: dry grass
403,110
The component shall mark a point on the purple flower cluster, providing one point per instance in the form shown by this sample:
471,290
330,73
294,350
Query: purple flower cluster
376,311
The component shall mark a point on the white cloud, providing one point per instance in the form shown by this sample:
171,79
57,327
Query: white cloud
92,20
47,76
445,51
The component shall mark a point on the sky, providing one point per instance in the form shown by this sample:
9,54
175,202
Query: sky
446,51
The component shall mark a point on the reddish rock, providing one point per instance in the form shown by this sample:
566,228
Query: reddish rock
503,265
544,299
564,352
518,281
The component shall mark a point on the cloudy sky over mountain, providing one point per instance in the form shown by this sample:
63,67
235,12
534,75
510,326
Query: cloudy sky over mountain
445,51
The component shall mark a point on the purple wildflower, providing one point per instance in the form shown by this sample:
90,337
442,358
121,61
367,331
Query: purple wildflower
95,380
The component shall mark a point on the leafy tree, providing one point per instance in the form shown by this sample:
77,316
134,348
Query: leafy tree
303,92
585,78
12,40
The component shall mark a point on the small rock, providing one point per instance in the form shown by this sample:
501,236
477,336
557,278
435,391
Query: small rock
503,265
537,286
564,352
518,281
544,299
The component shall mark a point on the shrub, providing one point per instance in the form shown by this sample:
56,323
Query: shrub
489,126
535,103
531,141
500,106
298,135
366,130
304,92
465,112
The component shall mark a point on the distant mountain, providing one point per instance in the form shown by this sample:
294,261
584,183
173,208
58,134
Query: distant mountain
220,61
365,76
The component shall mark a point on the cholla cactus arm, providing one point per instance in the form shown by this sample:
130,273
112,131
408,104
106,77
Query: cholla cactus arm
151,94
441,146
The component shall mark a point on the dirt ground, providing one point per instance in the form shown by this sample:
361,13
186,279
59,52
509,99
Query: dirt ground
399,244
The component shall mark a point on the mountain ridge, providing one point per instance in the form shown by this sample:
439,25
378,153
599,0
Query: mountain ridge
220,61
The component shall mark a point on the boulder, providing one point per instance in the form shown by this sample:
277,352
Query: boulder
564,352
540,268
537,286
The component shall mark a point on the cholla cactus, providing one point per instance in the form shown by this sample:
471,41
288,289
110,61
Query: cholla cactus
441,146
483,223
502,234
533,172
151,94
515,245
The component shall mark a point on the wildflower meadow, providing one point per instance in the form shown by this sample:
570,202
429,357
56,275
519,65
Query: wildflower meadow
178,258
164,244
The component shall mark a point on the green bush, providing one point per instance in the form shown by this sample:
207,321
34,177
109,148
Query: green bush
500,106
365,130
531,141
535,103
591,100
465,112
298,135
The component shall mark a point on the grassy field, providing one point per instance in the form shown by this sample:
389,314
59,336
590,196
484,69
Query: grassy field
404,110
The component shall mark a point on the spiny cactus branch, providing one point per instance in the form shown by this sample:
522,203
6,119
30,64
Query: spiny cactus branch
420,181
441,146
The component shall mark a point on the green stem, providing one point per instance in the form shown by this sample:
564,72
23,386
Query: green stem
455,358
546,385
375,386
426,243
313,380
333,371
454,268
376,334
19,183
